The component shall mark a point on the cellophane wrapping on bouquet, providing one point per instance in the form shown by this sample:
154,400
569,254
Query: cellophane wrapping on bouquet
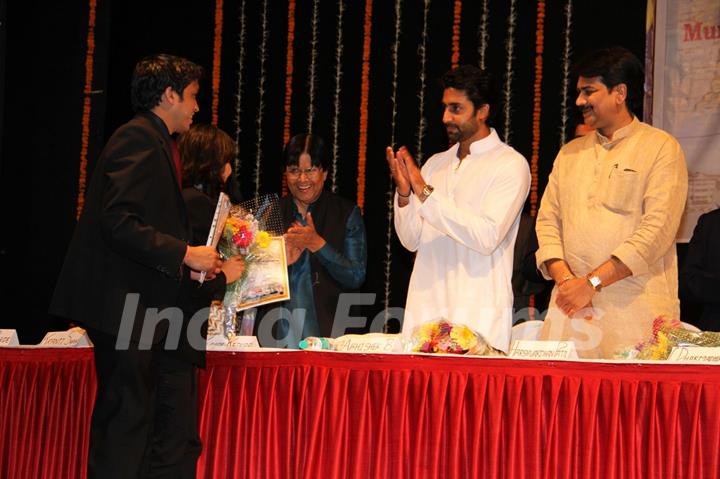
445,337
254,230
668,333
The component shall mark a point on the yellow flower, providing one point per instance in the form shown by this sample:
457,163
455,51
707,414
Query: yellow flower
463,336
428,330
263,239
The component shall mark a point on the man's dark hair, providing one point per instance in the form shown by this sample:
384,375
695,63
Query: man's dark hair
155,73
313,145
615,65
478,85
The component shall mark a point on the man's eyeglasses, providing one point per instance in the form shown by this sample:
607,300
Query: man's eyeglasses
295,172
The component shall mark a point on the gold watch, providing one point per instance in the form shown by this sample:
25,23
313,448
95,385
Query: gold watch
426,191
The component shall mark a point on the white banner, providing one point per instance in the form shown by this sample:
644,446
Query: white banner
686,95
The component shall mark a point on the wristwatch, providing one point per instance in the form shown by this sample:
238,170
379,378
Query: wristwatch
595,282
426,191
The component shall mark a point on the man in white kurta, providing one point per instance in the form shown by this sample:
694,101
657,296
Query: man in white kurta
464,227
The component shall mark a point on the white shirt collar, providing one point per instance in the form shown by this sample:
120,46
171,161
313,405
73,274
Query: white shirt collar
486,144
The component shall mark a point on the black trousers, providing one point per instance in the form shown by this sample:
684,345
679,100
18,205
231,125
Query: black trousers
144,422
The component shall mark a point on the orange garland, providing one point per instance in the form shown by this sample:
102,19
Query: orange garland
455,59
217,50
364,95
537,89
87,104
288,81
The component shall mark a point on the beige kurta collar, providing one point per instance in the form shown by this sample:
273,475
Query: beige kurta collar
619,135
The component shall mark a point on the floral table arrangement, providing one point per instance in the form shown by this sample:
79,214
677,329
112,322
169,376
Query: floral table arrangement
445,337
668,333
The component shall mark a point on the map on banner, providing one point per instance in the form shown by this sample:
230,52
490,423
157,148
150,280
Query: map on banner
686,96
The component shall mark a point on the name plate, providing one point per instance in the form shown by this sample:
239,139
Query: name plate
530,349
695,354
369,343
8,338
65,339
244,343
238,343
216,342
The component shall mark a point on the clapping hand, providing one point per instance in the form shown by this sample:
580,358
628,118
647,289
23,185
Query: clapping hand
304,236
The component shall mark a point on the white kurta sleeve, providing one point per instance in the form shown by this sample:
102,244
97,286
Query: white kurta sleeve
485,228
408,223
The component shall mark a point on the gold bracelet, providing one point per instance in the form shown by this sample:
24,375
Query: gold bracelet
565,278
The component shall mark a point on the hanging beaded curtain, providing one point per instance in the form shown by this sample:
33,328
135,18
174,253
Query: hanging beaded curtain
336,97
345,79
239,88
363,75
389,194
261,93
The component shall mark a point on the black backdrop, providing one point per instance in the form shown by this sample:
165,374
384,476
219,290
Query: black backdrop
43,66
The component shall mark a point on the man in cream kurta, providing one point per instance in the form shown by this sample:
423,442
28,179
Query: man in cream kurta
464,225
608,218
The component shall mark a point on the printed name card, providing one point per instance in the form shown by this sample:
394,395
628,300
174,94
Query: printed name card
244,343
530,349
216,342
239,343
695,354
8,338
65,339
369,343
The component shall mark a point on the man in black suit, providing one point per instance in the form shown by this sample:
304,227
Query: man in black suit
122,277
700,275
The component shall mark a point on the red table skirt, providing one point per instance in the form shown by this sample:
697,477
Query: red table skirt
314,414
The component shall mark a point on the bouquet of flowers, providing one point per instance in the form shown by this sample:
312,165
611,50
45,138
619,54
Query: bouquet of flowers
254,230
668,333
444,337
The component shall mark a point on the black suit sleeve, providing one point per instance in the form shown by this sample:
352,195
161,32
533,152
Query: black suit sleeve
700,275
132,174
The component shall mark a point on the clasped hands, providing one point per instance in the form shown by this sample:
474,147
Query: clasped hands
300,237
405,172
573,295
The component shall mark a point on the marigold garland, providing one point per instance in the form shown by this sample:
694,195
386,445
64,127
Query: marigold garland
364,95
288,81
537,88
217,50
537,98
87,107
457,10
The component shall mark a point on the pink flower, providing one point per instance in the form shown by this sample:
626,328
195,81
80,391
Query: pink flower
243,237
